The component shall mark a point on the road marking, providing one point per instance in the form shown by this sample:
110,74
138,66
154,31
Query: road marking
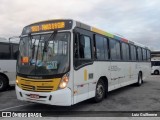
15,107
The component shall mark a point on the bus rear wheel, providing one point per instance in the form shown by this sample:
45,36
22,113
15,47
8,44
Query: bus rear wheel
100,91
3,83
156,72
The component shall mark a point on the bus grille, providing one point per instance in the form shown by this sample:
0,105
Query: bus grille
38,85
37,88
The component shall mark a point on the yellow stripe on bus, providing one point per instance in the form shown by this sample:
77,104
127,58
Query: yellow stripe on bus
96,30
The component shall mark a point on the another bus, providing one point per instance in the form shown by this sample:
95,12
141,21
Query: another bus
8,59
63,62
155,62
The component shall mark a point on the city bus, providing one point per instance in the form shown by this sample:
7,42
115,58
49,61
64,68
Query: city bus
8,58
63,62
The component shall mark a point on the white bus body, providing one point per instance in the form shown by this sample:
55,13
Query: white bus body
8,56
92,72
155,62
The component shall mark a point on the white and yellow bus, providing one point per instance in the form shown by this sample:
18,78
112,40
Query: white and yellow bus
63,62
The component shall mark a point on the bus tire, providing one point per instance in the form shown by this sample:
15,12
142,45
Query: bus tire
140,81
100,91
156,72
3,83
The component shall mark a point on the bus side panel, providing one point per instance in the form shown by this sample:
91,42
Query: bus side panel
124,73
143,67
8,67
134,72
116,71
146,70
101,70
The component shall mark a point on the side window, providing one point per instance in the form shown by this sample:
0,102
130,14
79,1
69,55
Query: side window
4,51
85,47
144,55
101,48
15,51
148,55
133,52
125,51
152,63
156,63
139,53
106,48
82,50
115,49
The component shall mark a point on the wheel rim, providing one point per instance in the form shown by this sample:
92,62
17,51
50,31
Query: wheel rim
100,91
1,84
156,72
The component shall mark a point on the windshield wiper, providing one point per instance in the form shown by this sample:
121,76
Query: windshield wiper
54,34
32,45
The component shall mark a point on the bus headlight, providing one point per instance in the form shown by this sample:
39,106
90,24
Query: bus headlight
17,81
64,81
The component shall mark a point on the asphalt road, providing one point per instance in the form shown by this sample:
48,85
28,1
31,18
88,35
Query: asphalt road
130,98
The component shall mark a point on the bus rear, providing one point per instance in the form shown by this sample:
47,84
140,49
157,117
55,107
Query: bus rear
44,63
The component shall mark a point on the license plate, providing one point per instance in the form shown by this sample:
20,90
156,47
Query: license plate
34,96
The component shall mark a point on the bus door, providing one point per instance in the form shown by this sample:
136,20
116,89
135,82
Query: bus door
83,67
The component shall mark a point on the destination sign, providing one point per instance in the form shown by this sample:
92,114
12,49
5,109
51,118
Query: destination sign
48,26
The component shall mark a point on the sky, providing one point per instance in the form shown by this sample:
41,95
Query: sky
136,20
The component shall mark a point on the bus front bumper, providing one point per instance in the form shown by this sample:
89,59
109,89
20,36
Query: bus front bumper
60,97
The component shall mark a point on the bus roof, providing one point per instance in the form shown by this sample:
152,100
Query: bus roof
96,30
4,40
93,29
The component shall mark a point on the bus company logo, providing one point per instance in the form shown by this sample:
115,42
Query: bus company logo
6,114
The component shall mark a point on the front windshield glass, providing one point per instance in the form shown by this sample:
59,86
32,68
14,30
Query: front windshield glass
41,57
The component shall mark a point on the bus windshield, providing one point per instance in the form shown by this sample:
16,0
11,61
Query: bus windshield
45,54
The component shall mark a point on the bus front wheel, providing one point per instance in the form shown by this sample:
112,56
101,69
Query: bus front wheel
3,83
100,91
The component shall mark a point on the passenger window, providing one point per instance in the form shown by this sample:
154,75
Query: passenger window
148,55
100,51
133,52
106,48
125,51
139,53
115,49
15,51
144,55
4,51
